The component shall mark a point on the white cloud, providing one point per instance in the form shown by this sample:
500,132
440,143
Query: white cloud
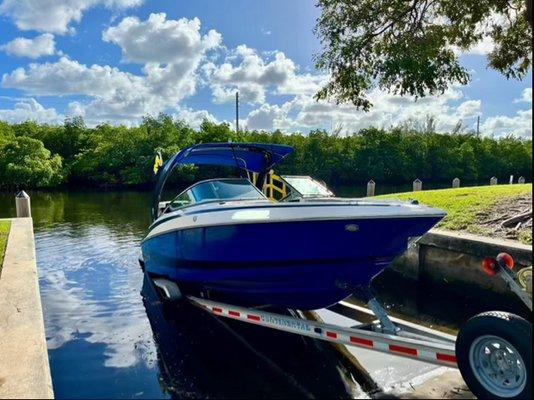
251,93
501,125
42,45
54,15
304,112
245,70
526,96
30,109
161,41
123,97
194,117
482,48
269,117
470,108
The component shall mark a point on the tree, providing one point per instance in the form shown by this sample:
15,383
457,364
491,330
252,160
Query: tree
25,162
410,47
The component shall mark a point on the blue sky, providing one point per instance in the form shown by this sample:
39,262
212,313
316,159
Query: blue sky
118,60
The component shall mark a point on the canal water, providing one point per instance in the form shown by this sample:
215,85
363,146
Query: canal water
108,336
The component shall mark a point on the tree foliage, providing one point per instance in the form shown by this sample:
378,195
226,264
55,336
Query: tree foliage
410,47
24,162
40,155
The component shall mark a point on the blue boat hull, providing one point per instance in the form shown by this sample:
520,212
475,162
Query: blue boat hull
303,265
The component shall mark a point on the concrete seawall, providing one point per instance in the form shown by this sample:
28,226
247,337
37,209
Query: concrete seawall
24,367
457,257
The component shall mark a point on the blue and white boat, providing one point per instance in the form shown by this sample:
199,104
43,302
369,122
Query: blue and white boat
224,239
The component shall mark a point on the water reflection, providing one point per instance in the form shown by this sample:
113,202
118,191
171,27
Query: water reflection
203,356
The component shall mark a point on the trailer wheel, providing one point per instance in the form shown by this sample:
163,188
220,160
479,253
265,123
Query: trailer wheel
494,352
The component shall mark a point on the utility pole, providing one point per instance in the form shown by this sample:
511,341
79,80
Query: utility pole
237,112
478,125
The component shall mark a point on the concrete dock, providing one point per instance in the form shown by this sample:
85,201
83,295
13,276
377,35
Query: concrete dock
24,366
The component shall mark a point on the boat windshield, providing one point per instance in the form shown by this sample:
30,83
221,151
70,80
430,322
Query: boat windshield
306,186
218,189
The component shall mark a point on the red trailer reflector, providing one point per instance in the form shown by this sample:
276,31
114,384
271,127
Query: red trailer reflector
403,350
217,310
489,266
234,313
253,317
332,335
364,342
507,259
446,357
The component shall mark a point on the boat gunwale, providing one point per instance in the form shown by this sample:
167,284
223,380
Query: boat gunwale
309,219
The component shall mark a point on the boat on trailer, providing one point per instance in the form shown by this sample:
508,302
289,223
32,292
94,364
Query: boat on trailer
223,239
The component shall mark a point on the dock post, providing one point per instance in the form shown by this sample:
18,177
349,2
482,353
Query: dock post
493,180
417,185
22,203
371,188
511,179
456,183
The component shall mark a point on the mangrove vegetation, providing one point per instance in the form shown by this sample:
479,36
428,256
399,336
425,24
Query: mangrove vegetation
34,155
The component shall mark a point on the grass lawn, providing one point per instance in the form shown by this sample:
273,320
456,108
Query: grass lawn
463,205
4,231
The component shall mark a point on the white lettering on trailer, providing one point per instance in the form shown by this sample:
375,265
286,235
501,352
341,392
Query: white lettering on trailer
280,321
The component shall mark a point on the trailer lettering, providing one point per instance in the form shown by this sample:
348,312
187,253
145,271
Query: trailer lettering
279,321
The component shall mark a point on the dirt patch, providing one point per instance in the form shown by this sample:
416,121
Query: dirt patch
491,221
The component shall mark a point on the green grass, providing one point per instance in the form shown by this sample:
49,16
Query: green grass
464,204
4,231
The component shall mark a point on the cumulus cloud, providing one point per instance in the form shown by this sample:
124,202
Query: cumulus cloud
194,117
526,96
245,70
42,45
269,117
469,108
124,97
30,109
161,41
54,15
482,48
304,112
502,125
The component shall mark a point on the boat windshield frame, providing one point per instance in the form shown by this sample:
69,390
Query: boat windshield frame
250,157
195,202
302,195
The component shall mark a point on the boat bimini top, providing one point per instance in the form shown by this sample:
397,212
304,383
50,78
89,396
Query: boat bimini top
254,157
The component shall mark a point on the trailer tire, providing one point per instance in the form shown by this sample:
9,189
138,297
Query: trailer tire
494,353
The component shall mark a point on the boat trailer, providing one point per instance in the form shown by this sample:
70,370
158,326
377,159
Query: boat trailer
493,350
